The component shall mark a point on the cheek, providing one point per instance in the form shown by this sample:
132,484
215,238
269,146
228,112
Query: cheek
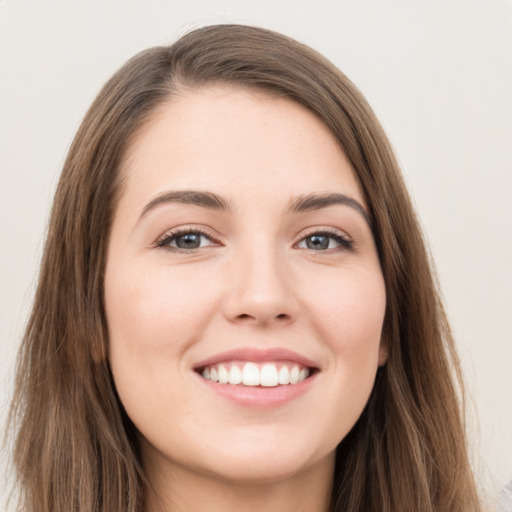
349,314
153,318
147,310
349,309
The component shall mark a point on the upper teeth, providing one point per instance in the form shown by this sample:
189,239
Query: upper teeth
252,374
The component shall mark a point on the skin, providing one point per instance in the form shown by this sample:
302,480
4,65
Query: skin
253,282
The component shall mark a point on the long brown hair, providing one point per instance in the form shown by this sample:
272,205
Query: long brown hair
75,449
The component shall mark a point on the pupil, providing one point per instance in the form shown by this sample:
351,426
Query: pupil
317,242
189,241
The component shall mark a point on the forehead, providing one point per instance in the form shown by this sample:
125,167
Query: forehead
229,140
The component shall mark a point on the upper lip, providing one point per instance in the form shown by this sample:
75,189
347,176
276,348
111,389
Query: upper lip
257,355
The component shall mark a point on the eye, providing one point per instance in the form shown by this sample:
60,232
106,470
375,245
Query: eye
325,241
186,240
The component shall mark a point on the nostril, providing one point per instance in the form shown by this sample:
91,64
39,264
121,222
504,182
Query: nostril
245,316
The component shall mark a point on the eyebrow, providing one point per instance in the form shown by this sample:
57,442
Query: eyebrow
309,202
209,200
194,197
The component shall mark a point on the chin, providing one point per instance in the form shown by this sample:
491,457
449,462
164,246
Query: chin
244,463
265,465
260,471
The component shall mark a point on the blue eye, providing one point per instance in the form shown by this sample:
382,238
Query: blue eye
325,242
185,241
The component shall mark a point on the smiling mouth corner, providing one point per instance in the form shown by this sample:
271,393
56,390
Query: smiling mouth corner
256,374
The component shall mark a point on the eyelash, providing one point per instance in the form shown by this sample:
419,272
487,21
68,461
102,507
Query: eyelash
173,235
343,241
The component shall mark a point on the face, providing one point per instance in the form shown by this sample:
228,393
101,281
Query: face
243,291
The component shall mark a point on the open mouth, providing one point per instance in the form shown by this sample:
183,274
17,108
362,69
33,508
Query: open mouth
254,374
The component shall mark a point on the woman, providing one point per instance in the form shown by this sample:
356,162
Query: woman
236,309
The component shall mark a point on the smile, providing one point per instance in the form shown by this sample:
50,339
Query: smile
258,377
270,374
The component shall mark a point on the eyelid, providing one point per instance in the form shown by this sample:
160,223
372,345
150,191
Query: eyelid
346,244
329,230
161,241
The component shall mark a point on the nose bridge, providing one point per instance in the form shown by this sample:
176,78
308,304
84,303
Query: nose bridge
259,287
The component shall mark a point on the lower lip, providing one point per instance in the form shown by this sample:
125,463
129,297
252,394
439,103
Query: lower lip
259,396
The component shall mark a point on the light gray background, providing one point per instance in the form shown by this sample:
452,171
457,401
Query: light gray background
437,72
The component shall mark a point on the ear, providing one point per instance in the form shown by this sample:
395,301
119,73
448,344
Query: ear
383,352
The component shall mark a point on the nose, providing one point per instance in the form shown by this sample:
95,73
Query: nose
260,290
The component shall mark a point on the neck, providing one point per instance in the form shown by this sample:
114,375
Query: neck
183,491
